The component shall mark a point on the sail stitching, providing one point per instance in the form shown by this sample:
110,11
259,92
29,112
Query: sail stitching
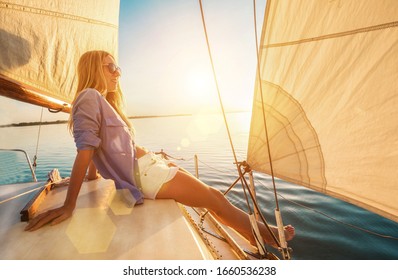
334,35
296,143
34,10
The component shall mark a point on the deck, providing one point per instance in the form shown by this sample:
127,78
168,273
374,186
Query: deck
102,227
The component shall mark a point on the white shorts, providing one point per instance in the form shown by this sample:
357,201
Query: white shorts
153,173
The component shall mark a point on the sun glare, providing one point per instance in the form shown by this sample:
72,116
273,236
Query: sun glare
200,84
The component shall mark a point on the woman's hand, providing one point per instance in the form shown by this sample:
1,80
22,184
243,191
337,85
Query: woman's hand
57,215
54,216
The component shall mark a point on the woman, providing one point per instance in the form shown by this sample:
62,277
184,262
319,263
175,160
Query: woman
104,135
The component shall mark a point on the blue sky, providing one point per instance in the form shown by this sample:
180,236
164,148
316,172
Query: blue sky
166,67
163,53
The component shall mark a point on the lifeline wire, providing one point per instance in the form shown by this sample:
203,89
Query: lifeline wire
332,218
37,142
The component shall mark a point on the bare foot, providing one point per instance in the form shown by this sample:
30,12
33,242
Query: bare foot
289,232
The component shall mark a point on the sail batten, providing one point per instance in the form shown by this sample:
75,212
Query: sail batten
46,12
41,42
335,35
329,94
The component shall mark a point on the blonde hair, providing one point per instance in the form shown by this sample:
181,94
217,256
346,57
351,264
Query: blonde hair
91,75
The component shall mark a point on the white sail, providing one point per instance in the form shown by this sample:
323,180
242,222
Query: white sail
41,42
329,96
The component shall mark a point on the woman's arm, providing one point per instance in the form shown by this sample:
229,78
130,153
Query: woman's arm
57,215
92,172
82,161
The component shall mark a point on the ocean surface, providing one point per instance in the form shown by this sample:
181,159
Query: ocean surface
326,228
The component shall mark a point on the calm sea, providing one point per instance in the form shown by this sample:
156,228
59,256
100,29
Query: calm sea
326,228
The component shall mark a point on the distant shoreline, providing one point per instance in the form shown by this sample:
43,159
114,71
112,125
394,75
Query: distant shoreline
21,124
161,116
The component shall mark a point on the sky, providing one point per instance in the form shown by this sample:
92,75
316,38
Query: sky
165,63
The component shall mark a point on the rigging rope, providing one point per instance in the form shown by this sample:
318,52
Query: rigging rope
262,107
278,215
216,81
220,99
243,181
167,156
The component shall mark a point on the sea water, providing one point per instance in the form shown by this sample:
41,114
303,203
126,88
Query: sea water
326,228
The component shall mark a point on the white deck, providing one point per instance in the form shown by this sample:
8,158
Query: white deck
102,227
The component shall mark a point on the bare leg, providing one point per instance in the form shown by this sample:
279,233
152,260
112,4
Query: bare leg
188,190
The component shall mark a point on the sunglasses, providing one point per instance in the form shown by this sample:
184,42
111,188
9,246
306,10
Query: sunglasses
113,68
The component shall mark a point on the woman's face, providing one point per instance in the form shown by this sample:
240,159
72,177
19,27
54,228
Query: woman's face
112,73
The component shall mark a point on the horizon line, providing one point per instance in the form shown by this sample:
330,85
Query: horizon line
21,124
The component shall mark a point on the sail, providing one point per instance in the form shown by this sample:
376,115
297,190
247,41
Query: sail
328,96
42,41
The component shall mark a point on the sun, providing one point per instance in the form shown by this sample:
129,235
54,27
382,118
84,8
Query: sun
199,84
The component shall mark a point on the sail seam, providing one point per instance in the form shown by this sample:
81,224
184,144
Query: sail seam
33,10
334,35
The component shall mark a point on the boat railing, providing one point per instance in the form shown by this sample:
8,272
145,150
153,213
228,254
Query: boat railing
27,159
